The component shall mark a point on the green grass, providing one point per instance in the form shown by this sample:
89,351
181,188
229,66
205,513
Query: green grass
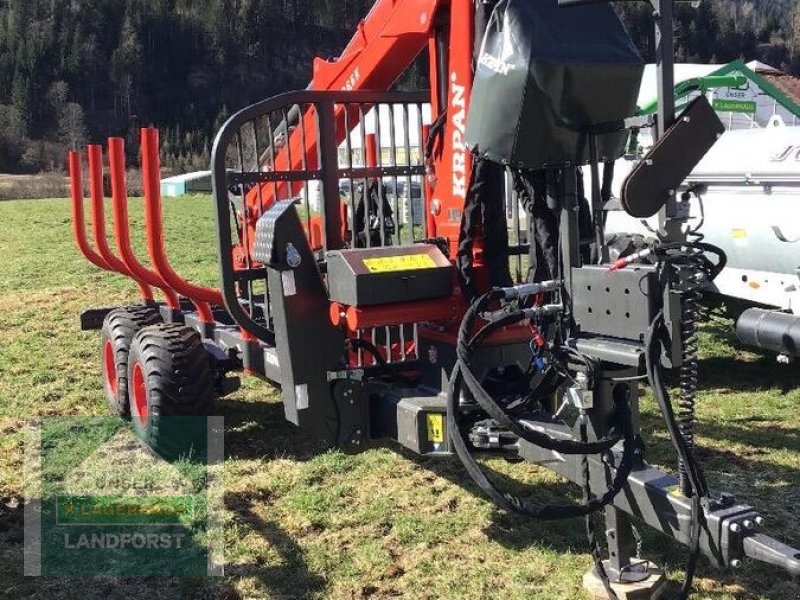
307,524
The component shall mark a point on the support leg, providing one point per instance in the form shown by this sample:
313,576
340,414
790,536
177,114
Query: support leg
631,578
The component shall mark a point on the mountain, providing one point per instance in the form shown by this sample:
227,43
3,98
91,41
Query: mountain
78,70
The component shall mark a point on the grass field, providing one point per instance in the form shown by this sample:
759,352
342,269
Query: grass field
305,524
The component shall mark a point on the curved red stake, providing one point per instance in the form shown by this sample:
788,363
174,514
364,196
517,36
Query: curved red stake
78,215
99,221
200,296
119,194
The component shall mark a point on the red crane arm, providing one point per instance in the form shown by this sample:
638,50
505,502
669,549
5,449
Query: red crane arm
386,42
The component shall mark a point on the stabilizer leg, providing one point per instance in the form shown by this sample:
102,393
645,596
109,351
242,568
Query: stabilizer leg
630,577
653,587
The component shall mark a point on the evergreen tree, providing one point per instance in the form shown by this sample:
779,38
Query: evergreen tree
77,70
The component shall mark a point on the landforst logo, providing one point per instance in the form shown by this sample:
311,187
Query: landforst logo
100,503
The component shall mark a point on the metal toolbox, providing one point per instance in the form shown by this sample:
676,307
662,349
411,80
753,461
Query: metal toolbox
371,276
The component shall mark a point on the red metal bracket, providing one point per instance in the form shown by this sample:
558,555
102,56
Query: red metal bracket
367,317
119,195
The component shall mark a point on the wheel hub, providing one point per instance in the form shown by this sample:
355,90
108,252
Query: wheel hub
110,368
139,406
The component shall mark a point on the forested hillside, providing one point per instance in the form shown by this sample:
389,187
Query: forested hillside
78,70
719,31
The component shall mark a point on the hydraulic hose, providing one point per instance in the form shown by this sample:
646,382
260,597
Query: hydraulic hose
361,344
505,500
690,265
694,474
689,375
463,371
682,256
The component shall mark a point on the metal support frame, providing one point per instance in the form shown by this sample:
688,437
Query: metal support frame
570,230
665,69
338,118
665,63
650,496
623,553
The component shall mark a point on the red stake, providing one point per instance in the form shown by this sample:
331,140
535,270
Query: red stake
200,296
99,221
119,194
78,215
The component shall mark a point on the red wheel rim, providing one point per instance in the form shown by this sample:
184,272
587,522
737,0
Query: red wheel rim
111,368
139,406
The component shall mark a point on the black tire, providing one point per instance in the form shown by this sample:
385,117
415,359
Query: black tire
169,381
119,328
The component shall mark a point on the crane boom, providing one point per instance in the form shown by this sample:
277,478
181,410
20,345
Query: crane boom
386,42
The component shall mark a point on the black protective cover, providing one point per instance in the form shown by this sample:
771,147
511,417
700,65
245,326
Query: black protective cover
544,75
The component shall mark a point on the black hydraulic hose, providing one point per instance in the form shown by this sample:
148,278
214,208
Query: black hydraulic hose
494,410
692,479
713,269
520,505
694,474
437,128
656,380
358,343
508,501
689,374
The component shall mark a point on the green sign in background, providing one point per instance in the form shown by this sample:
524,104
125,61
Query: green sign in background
738,106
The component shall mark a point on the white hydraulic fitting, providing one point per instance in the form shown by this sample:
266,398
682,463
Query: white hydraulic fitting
629,260
547,310
531,289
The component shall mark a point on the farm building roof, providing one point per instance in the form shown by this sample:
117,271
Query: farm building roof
788,84
767,94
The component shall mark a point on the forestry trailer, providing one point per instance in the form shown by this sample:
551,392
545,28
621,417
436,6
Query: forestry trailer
444,331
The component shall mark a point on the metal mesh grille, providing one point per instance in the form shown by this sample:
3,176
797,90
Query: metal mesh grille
353,164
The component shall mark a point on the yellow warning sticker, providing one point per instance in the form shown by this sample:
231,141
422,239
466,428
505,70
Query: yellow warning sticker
675,490
408,262
435,428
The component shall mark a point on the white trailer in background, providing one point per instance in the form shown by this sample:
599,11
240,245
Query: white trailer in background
747,193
